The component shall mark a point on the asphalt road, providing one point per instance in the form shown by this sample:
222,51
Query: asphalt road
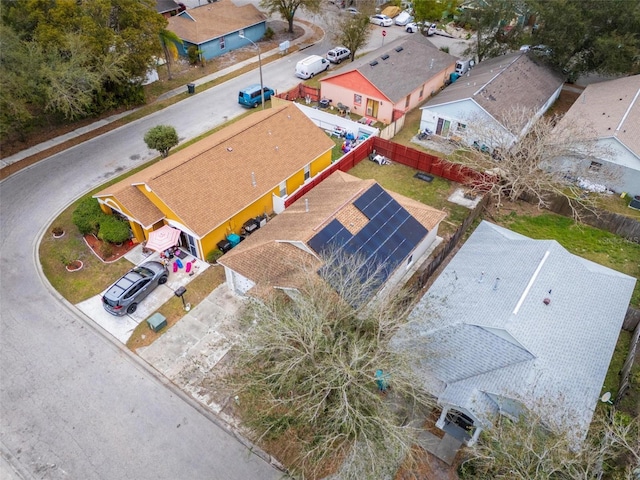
73,405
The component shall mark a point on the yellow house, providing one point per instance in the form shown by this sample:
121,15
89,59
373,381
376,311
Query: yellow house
211,188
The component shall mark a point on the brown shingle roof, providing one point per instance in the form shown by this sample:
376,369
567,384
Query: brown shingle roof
500,83
210,181
201,24
612,108
262,256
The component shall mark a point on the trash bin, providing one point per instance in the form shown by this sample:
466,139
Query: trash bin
191,87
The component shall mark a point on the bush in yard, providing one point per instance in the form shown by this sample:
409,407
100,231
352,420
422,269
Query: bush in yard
269,33
213,256
113,230
87,216
162,138
106,249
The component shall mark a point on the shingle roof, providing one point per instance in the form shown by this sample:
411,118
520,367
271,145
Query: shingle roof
500,83
403,71
210,181
165,6
612,109
201,24
262,256
479,335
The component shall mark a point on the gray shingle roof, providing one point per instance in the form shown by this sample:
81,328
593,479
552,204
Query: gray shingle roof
500,83
403,71
477,338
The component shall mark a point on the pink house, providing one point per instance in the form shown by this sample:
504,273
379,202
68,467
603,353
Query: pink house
386,83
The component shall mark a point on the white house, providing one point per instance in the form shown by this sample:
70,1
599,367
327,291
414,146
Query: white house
611,110
514,323
477,106
344,215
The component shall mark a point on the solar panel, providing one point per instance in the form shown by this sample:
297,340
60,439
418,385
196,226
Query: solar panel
334,235
382,244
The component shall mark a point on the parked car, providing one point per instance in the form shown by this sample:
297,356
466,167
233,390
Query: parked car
311,66
404,18
381,20
124,296
252,96
431,29
337,54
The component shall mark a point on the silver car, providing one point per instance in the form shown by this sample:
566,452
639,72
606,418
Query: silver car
123,296
336,55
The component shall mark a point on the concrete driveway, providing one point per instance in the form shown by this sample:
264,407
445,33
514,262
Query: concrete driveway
122,327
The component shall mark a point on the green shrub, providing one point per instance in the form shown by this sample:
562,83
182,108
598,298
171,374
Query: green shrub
87,216
113,230
213,256
106,249
269,33
193,53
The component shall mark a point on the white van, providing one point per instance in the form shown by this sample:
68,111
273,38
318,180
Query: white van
463,66
311,65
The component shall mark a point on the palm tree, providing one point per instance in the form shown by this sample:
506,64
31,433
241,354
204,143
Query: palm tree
169,40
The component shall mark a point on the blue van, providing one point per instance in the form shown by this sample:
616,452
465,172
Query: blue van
251,97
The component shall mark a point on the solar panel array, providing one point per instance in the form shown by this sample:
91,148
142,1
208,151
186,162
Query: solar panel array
381,245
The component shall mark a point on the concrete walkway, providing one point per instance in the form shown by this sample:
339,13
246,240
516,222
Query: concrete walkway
301,41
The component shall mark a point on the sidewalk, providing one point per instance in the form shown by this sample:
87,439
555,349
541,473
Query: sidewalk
308,33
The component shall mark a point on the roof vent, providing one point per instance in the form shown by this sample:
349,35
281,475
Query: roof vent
384,57
229,149
374,63
253,179
546,301
399,49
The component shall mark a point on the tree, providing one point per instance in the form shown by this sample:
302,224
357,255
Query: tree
537,165
287,8
433,10
589,35
162,138
320,376
352,31
528,449
169,40
497,30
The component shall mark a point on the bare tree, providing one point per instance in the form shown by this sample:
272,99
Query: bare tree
319,374
528,449
531,157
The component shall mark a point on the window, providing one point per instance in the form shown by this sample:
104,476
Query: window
595,166
222,44
409,261
307,172
357,99
283,189
421,91
406,102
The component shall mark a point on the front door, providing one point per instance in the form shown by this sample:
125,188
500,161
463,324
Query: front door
188,242
372,108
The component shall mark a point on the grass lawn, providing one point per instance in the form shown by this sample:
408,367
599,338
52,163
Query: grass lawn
591,243
400,179
173,310
94,277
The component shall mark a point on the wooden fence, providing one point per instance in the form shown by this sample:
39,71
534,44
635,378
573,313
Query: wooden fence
625,372
301,91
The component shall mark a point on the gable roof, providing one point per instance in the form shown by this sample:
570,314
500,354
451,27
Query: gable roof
166,6
411,62
208,182
612,108
500,83
271,254
483,329
201,24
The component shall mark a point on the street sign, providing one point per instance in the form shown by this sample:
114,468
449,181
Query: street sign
384,33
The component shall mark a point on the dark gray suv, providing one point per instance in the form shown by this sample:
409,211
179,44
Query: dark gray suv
123,296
